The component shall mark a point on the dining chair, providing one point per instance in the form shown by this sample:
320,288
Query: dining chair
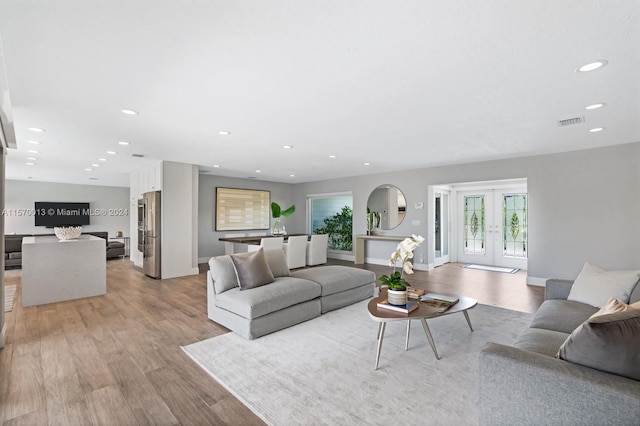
295,250
317,249
267,243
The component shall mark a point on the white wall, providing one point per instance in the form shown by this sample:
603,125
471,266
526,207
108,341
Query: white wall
179,224
21,197
208,244
583,206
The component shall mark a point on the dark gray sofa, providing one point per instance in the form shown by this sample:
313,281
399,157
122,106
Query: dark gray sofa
13,247
526,384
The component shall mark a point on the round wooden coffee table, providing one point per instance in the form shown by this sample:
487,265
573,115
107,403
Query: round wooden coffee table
424,312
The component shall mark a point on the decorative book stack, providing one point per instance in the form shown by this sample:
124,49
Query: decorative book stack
414,293
405,309
440,302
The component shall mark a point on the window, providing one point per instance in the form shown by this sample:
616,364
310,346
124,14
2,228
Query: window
332,214
240,209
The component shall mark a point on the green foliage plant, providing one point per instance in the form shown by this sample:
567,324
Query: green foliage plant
340,229
276,210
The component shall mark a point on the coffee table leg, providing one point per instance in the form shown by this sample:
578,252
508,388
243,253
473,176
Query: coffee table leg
380,336
406,341
429,337
466,315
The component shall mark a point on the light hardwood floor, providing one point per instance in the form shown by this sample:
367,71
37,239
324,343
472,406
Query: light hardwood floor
116,359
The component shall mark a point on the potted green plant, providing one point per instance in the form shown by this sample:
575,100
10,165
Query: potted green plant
397,285
277,212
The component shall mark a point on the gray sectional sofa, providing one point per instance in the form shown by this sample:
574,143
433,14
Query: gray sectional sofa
526,384
292,297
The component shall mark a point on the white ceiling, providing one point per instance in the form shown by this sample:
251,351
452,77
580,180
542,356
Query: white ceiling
399,84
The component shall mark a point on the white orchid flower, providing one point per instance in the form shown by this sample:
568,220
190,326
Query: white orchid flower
408,267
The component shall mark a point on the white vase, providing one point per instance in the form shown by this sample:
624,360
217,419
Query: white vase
397,297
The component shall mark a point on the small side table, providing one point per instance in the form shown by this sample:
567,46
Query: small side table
126,241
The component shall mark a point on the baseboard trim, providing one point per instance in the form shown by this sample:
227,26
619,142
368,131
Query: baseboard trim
540,282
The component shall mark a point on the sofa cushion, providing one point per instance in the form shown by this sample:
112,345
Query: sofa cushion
335,279
115,244
223,274
543,342
252,269
613,306
594,286
277,262
561,315
280,294
609,343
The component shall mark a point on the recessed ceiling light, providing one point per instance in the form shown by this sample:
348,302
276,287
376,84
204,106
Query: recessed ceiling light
596,129
332,156
123,143
595,106
32,158
102,159
111,152
593,65
287,146
95,165
366,164
34,142
258,171
129,112
292,175
30,164
88,169
224,133
216,165
36,129
33,151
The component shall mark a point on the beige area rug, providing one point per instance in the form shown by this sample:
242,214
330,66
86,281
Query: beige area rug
9,295
321,372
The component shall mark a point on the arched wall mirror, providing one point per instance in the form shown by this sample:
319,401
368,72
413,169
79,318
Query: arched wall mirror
386,208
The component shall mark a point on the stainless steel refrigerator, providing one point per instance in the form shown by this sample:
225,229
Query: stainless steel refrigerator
151,243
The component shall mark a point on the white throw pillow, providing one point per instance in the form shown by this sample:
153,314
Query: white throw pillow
595,286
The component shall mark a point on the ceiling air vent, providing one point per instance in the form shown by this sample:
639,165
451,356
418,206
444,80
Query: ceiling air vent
571,121
138,155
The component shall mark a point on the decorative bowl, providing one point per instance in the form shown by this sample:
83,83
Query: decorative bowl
67,232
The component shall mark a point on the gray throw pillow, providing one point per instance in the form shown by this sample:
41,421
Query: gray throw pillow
609,343
277,262
252,269
223,273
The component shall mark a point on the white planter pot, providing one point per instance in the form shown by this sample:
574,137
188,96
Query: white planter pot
397,297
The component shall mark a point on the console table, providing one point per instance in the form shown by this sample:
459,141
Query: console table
54,270
358,252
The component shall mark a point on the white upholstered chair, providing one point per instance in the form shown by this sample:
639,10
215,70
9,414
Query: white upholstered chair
267,243
317,249
229,246
295,250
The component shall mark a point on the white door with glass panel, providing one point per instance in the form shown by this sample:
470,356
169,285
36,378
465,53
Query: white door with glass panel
493,228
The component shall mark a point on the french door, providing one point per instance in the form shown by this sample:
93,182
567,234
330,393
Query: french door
493,228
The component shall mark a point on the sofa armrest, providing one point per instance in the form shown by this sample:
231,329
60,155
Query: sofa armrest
537,389
557,289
